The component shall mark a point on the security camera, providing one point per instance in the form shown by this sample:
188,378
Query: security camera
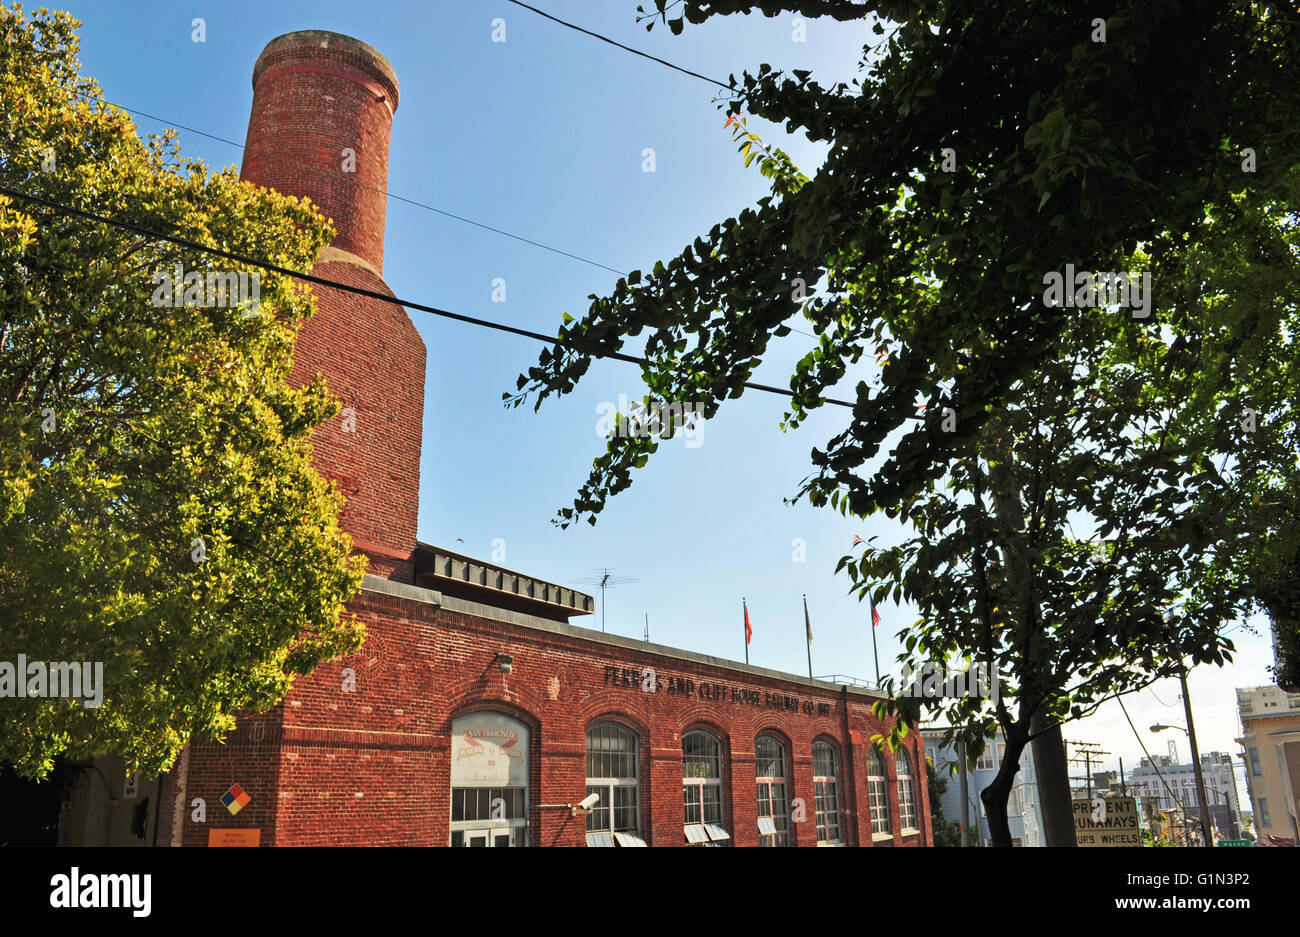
586,804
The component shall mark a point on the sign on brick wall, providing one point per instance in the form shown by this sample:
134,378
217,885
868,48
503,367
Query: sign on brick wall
648,680
489,749
234,837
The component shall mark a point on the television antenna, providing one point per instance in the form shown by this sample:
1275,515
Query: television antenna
606,580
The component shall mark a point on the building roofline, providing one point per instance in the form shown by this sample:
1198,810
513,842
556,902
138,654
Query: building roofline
363,56
465,606
458,574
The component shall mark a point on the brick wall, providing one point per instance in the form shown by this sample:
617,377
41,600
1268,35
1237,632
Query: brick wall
315,95
371,766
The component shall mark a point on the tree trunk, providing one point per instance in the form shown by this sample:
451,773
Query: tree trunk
1054,798
995,796
1049,748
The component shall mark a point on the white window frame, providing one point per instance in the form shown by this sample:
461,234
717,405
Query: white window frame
772,785
605,787
826,796
516,828
711,831
907,806
882,826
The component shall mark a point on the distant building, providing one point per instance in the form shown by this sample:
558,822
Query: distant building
1106,782
1270,737
1023,814
1180,778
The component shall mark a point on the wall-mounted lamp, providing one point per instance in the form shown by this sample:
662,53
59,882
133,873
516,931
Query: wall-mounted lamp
504,661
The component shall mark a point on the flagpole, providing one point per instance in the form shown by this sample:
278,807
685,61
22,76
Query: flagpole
875,652
808,630
744,606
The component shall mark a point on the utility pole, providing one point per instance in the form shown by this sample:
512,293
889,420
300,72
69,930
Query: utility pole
1088,750
965,815
1053,773
1196,762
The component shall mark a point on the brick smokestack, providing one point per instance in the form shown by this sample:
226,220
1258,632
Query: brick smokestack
322,115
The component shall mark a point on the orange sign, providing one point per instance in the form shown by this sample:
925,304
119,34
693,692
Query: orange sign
234,837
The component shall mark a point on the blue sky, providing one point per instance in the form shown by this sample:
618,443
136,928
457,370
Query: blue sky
542,136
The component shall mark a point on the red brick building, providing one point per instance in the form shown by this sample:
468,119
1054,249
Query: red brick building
476,714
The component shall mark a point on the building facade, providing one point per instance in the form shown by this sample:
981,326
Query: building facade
1220,789
1270,741
476,714
1023,814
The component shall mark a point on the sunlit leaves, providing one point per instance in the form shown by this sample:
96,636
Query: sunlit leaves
128,430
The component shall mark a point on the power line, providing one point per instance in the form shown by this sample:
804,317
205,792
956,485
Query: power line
1151,761
360,291
359,184
1159,700
645,55
393,195
730,86
410,201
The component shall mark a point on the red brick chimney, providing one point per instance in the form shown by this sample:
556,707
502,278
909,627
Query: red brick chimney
322,114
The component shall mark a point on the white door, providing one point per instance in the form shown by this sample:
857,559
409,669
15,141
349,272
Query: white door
498,837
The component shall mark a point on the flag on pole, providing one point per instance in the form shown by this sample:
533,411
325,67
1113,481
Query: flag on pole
875,622
749,631
807,622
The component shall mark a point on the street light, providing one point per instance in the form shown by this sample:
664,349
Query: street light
1206,835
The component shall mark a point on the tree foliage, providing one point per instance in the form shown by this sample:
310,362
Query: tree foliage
159,512
1057,160
1077,544
985,146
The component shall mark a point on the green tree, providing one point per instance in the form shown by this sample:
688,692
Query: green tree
159,512
984,149
1263,371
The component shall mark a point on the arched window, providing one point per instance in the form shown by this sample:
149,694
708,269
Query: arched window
613,762
770,765
702,790
906,792
826,792
877,784
489,780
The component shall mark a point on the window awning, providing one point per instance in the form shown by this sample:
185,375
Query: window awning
600,839
716,833
696,833
628,839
